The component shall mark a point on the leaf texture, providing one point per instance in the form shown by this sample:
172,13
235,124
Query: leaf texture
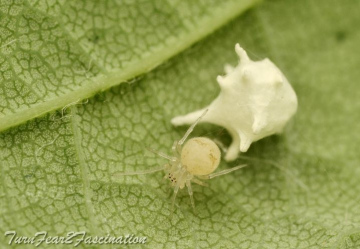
300,189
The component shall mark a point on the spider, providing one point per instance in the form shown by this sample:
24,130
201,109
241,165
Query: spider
194,161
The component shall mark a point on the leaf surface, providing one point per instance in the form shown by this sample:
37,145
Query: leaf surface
56,54
299,191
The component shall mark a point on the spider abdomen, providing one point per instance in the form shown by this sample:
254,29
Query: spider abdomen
200,156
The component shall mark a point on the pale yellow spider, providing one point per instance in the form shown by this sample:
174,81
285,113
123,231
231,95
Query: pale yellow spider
196,160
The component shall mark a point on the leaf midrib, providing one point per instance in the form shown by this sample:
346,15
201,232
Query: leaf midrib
100,83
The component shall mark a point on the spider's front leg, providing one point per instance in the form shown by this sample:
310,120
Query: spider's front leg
201,183
188,185
176,190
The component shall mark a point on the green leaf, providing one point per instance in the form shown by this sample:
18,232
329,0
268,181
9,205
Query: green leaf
58,54
301,188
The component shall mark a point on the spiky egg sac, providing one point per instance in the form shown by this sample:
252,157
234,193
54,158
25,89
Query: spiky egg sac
255,101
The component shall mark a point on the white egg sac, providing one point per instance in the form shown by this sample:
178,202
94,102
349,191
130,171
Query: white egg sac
255,101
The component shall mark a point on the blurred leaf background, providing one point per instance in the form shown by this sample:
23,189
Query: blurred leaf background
64,135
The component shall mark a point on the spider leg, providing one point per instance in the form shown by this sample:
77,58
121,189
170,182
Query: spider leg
163,155
188,185
175,147
142,172
191,128
197,181
226,171
176,189
223,172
